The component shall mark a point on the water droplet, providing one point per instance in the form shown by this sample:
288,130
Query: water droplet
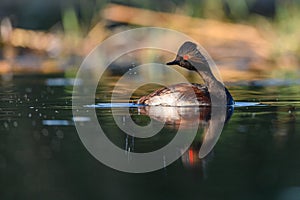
45,132
29,115
5,124
56,111
29,90
60,134
15,124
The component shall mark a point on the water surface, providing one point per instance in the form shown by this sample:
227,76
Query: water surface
42,157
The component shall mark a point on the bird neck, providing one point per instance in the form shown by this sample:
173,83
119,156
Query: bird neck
215,88
210,80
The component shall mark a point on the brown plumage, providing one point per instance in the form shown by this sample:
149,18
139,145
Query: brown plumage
182,94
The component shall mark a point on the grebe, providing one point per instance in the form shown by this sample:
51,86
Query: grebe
189,94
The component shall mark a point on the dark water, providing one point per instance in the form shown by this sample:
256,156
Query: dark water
42,156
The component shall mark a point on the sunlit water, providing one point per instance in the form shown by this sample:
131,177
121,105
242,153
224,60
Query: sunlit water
42,157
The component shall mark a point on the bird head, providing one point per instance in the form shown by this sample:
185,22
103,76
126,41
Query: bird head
188,56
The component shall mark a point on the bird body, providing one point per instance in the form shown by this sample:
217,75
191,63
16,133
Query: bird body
182,94
190,94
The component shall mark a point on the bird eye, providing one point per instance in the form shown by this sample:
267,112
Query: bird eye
186,57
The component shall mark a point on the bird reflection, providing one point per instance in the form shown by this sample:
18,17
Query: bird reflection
175,117
200,151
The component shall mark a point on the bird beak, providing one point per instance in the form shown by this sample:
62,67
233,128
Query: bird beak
175,62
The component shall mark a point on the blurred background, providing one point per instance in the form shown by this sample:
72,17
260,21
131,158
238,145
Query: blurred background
256,46
248,39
